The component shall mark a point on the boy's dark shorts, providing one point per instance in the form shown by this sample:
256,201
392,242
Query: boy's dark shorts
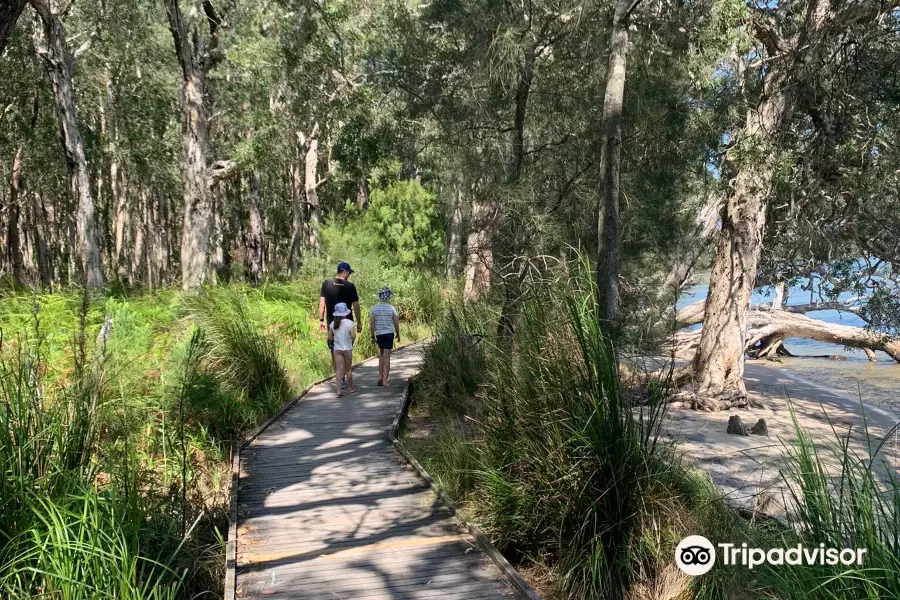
331,345
385,341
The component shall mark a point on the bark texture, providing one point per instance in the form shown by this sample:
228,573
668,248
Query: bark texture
608,243
50,38
254,232
298,220
13,244
480,262
311,190
194,58
454,245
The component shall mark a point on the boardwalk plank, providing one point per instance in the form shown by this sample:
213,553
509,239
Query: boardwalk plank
326,508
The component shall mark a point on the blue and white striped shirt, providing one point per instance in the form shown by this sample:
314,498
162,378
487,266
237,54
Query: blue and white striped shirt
383,315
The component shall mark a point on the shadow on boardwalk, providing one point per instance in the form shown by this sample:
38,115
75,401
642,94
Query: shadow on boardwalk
327,509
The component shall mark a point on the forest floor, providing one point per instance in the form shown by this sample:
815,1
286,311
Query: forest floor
746,469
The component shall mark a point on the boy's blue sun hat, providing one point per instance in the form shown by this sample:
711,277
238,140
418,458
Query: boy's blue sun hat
385,293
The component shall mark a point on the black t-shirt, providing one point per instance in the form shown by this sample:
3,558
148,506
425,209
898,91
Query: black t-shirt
336,290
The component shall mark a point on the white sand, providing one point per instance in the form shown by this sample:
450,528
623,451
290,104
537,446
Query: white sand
746,468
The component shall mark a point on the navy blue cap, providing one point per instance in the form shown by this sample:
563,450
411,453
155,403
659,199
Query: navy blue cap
343,266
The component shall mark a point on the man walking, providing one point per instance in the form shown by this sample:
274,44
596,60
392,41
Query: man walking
335,290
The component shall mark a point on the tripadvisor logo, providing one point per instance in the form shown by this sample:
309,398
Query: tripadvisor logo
695,555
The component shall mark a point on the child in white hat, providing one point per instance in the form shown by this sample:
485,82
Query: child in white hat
342,333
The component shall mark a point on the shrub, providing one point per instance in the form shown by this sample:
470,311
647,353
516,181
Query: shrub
404,217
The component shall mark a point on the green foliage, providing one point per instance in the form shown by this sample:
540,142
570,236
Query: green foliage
548,453
404,220
84,546
241,356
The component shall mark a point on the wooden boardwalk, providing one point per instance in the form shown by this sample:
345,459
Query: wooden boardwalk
328,509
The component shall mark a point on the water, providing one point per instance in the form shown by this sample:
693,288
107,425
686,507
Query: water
876,382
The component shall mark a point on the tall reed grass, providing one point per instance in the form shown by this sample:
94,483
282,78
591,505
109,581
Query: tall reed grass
841,500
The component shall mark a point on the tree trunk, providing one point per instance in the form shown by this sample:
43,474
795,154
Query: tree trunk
13,245
163,244
140,235
254,232
454,246
608,242
42,236
362,192
192,58
61,70
297,220
480,262
150,240
195,224
768,327
120,203
217,258
719,363
310,187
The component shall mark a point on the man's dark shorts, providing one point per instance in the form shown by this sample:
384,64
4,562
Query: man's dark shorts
385,341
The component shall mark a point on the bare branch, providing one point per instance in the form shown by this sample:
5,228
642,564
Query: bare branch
86,46
220,171
762,27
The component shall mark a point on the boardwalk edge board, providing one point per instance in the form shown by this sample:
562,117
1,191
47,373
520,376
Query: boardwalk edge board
231,544
525,590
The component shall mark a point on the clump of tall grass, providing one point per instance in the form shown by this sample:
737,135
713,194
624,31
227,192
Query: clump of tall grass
238,353
569,467
65,532
455,363
83,546
841,500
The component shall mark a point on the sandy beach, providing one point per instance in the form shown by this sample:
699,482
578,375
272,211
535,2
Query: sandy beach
746,468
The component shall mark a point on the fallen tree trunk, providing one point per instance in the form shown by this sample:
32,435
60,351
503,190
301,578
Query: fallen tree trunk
767,327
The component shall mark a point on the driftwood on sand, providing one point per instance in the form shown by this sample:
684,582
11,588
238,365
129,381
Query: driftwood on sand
768,327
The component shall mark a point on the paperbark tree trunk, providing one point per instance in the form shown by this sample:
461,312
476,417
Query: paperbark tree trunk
164,240
50,38
311,189
43,239
608,242
120,203
194,58
480,262
138,255
454,245
297,218
217,257
719,363
254,232
13,244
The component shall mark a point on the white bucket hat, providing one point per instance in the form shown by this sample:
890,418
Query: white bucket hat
341,310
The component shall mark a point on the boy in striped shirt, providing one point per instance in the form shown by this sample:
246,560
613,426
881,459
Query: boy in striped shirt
383,324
